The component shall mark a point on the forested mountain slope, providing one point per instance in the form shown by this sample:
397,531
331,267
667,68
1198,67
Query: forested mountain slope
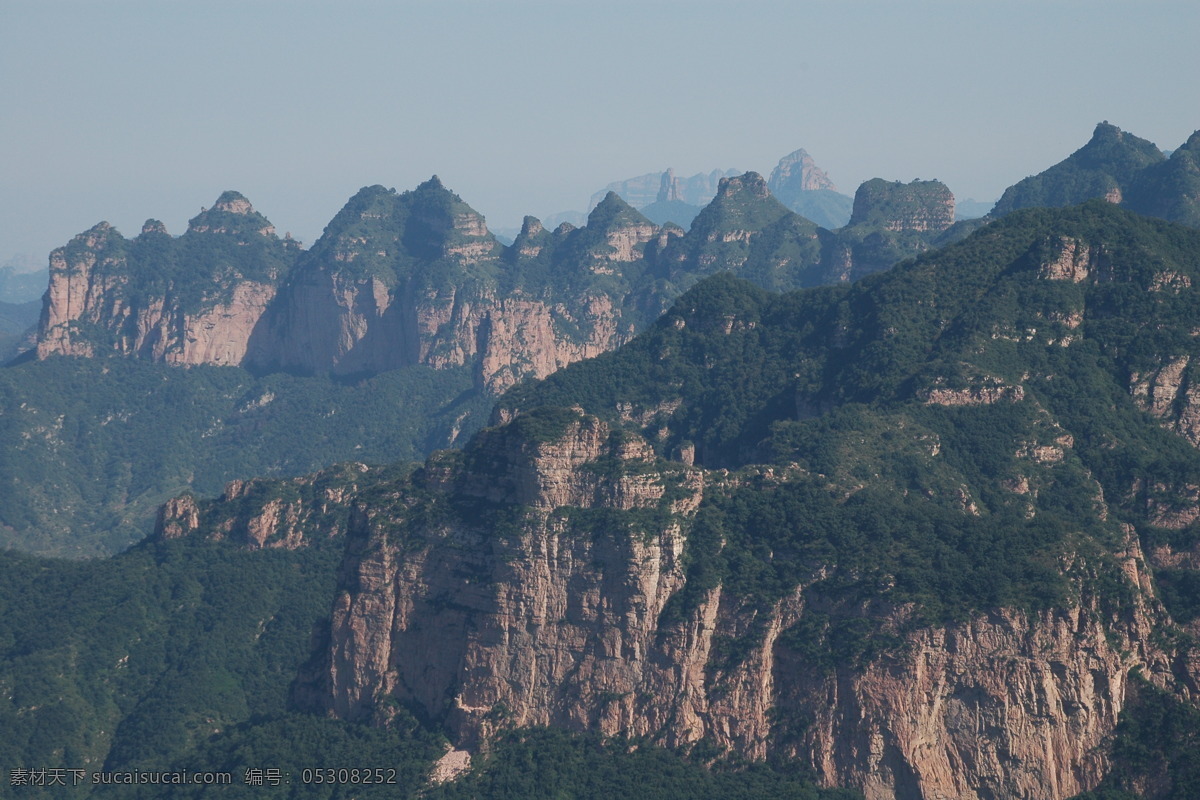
932,532
383,341
850,528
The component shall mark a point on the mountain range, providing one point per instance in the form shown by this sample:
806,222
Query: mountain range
404,288
906,509
1123,169
796,181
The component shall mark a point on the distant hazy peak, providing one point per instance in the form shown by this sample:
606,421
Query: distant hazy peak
669,190
798,172
643,190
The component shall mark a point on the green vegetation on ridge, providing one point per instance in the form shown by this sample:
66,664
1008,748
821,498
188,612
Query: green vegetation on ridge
176,655
959,504
99,444
1104,167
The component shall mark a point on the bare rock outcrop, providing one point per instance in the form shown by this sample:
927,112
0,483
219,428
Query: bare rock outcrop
920,206
417,278
193,300
979,394
263,513
1003,705
518,338
555,612
1070,260
1171,394
82,279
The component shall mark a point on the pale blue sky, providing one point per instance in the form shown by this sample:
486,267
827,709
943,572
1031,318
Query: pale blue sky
128,109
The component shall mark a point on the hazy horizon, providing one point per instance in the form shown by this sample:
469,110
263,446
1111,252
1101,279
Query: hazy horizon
132,109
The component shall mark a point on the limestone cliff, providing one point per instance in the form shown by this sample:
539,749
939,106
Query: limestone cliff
77,290
1004,705
264,513
193,300
537,579
397,280
394,280
416,278
920,206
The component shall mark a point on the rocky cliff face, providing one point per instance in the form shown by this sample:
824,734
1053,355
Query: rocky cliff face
394,281
541,593
77,291
193,300
263,513
1005,705
397,280
920,206
416,278
519,338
